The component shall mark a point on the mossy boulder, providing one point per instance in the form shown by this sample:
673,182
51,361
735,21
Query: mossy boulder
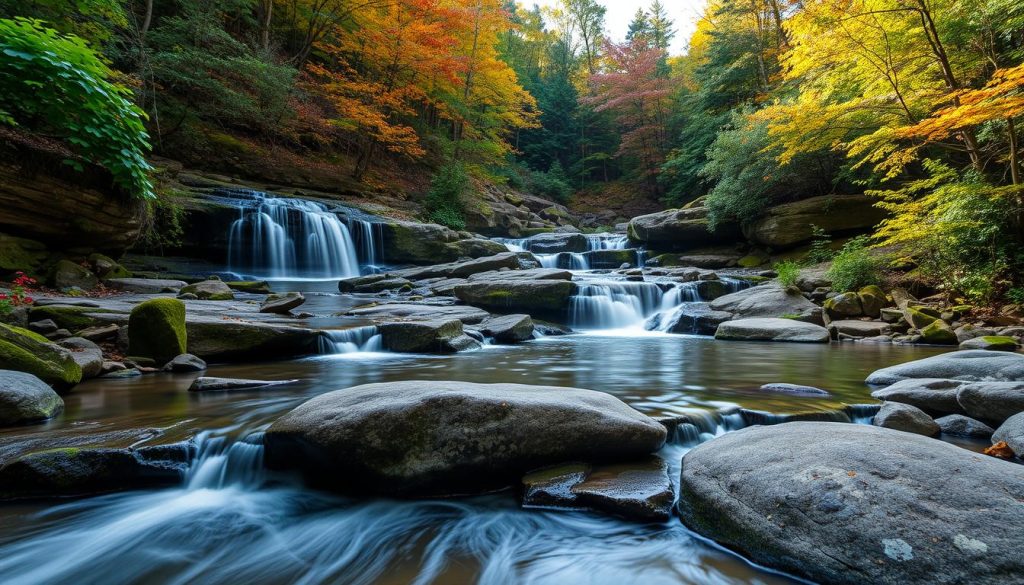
844,305
938,332
752,261
214,339
527,296
67,274
920,317
106,267
873,299
68,317
681,229
24,398
991,343
209,290
22,351
21,254
156,329
259,287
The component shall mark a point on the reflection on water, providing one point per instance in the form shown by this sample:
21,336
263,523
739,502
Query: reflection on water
232,524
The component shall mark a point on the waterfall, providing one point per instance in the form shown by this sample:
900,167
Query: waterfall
613,305
369,237
570,260
289,238
220,463
354,340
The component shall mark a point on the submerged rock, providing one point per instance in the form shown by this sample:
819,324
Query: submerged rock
25,398
442,438
906,418
211,384
640,491
958,365
860,504
551,487
772,330
959,425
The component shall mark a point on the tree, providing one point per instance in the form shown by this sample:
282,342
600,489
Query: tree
588,16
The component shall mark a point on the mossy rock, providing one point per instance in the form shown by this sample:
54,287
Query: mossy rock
22,351
873,299
260,287
67,274
211,289
21,254
751,261
992,343
106,267
156,329
920,317
938,333
68,317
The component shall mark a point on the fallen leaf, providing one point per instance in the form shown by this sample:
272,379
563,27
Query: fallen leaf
1000,450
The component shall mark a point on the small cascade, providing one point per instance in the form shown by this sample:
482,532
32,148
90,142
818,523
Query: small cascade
220,463
369,239
355,340
277,237
570,260
564,260
684,301
613,305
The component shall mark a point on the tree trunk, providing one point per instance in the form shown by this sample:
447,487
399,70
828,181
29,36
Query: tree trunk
1014,163
267,7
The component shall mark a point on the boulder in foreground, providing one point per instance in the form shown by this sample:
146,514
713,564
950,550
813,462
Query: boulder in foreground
859,504
442,438
772,330
958,365
25,398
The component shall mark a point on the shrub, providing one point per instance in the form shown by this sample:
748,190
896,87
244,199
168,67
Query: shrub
788,272
553,184
55,84
854,267
444,203
821,246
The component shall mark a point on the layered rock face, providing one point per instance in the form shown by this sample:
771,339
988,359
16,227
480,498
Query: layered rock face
791,224
50,207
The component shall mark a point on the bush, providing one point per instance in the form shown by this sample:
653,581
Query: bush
789,273
821,246
444,203
55,84
854,267
553,184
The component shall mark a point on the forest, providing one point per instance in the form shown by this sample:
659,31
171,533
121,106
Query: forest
911,101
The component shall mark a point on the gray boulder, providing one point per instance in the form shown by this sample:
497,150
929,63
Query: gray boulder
959,425
86,354
282,303
209,290
769,300
527,296
145,285
441,438
694,318
990,342
67,274
185,363
680,229
772,330
862,504
793,389
1011,432
992,401
216,339
933,395
554,243
437,336
419,312
854,328
531,274
25,398
958,365
906,418
790,224
373,283
508,328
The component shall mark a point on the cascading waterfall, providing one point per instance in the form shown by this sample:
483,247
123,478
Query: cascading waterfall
572,260
277,237
369,238
355,340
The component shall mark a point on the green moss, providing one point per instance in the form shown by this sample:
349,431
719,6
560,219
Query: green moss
21,254
70,318
938,333
751,261
26,332
156,329
261,287
49,363
921,317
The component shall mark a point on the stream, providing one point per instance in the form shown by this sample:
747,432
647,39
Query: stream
232,522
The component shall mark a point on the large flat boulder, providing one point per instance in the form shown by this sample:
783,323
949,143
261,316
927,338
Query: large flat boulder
419,312
851,504
791,224
991,401
406,242
772,330
933,395
440,438
970,365
464,268
438,336
768,300
145,285
680,229
214,339
527,296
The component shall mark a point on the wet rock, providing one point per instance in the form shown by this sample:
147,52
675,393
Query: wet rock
772,330
958,365
419,312
528,296
99,332
844,305
258,287
531,274
760,417
442,438
611,258
551,487
991,401
793,389
859,328
282,303
991,343
406,242
67,463
25,399
209,290
872,300
862,504
933,395
555,243
110,367
438,336
938,332
211,384
891,315
920,317
145,285
86,354
1011,432
185,363
44,327
24,351
215,339
640,491
959,425
463,269
695,318
123,373
373,283
508,328
906,418
769,301
156,329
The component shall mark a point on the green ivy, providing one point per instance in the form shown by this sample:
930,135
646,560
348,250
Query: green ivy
54,83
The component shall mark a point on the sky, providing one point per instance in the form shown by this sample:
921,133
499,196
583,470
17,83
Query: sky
685,13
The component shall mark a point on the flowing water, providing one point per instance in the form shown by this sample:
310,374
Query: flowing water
232,522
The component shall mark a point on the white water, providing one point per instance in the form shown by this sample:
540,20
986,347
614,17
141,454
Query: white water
355,340
633,306
572,260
